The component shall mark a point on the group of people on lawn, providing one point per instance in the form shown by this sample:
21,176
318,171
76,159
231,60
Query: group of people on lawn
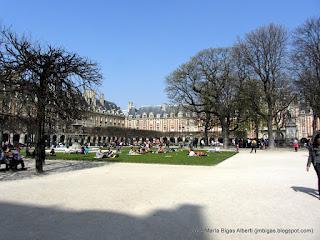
107,154
193,153
146,147
103,154
11,157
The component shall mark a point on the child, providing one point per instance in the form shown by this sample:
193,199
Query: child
295,145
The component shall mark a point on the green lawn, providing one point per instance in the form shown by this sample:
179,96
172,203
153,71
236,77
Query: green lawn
177,158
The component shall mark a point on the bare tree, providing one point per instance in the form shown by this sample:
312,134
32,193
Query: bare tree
208,85
51,79
255,107
264,52
306,63
205,119
251,95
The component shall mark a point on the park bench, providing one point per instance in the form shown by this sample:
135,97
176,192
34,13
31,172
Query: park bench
10,163
3,161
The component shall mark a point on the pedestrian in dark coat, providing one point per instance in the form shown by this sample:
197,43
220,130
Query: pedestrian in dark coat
314,157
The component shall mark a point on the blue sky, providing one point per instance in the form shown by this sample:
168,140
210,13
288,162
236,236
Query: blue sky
138,43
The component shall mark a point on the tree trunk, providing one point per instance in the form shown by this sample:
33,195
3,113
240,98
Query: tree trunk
257,130
314,123
40,136
225,134
270,132
205,137
206,129
278,136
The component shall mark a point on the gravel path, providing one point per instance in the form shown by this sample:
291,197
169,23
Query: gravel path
265,192
51,167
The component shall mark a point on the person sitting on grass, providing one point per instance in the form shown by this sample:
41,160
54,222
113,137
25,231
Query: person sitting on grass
147,146
133,152
52,152
196,154
86,149
161,149
100,154
109,153
83,151
191,153
142,150
201,154
173,150
116,154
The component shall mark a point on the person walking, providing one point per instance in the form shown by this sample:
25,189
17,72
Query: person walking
237,144
202,143
295,145
254,146
237,147
314,157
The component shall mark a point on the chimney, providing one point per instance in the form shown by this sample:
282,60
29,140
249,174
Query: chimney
130,106
101,99
90,96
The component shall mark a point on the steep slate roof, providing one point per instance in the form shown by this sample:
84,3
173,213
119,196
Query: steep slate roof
108,106
162,110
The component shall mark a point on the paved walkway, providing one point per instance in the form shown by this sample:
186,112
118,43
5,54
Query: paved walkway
266,191
51,167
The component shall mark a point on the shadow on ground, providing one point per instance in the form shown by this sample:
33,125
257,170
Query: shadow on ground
30,222
312,192
50,167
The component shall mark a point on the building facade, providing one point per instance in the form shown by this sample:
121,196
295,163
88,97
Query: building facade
303,116
176,123
105,122
163,118
101,114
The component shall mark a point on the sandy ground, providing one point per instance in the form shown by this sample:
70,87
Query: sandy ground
245,197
